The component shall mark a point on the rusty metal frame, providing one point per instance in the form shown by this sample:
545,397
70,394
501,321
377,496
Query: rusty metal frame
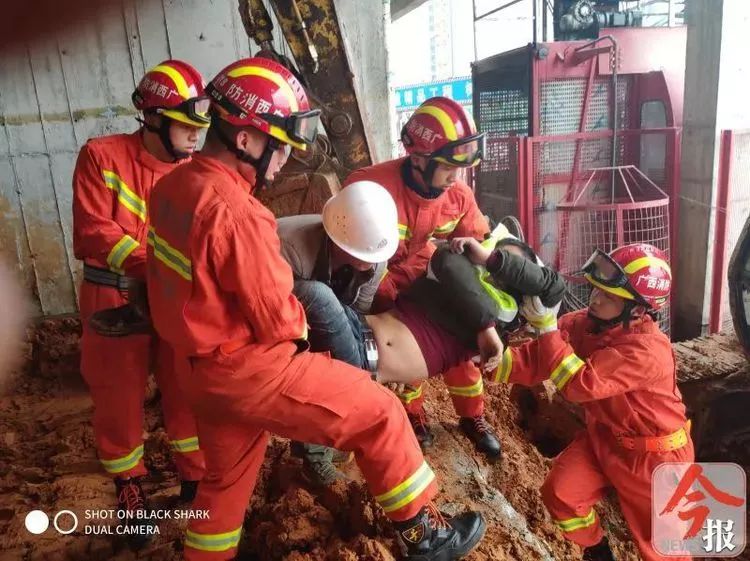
315,37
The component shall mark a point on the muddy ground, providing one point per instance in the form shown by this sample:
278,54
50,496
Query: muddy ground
48,462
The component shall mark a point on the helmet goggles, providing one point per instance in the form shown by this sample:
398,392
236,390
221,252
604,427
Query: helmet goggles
604,272
301,127
196,109
464,152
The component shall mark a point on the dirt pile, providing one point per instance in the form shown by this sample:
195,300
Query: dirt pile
48,462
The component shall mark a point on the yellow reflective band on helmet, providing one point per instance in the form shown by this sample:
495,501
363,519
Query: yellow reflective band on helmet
404,232
179,80
564,371
124,463
502,374
449,128
408,397
573,524
407,491
648,261
171,257
125,195
507,305
448,227
268,75
181,117
619,291
120,252
185,445
473,390
213,542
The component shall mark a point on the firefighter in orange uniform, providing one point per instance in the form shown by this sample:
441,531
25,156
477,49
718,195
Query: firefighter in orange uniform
613,360
111,184
220,291
441,140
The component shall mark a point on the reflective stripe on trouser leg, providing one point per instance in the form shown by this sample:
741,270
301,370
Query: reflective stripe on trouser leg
213,542
234,454
413,398
117,387
408,490
466,388
125,463
575,483
171,370
577,523
185,445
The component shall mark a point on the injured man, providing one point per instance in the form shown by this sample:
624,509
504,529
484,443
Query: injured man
460,310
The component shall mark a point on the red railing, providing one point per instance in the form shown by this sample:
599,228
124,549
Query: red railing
731,211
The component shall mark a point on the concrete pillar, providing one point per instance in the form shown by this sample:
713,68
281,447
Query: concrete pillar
716,45
363,26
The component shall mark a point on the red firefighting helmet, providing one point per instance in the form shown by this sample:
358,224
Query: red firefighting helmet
262,93
174,89
637,272
441,130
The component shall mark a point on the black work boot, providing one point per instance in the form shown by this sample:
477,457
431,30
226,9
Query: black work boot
599,552
421,429
430,536
188,490
482,435
134,512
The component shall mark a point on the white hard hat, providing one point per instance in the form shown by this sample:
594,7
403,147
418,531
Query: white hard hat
363,221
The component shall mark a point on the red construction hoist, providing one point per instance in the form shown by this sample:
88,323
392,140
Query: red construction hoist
561,114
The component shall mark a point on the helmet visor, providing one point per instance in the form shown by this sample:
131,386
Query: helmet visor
465,152
301,127
603,269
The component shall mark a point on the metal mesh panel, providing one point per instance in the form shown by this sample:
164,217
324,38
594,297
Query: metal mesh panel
501,93
504,112
497,178
561,105
553,175
612,207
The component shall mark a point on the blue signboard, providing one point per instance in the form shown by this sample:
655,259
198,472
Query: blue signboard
458,89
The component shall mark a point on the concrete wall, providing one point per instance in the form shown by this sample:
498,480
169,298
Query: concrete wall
364,25
58,92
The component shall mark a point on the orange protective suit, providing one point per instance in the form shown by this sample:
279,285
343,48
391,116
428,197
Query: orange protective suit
453,214
112,180
220,291
626,382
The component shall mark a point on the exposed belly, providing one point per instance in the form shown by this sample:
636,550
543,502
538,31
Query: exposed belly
399,357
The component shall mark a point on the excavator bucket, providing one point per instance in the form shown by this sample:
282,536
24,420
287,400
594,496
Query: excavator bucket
739,288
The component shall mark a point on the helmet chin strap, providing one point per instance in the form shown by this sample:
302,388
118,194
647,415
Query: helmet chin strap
163,132
624,318
427,176
260,164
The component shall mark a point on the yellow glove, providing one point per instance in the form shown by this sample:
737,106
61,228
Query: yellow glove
539,316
